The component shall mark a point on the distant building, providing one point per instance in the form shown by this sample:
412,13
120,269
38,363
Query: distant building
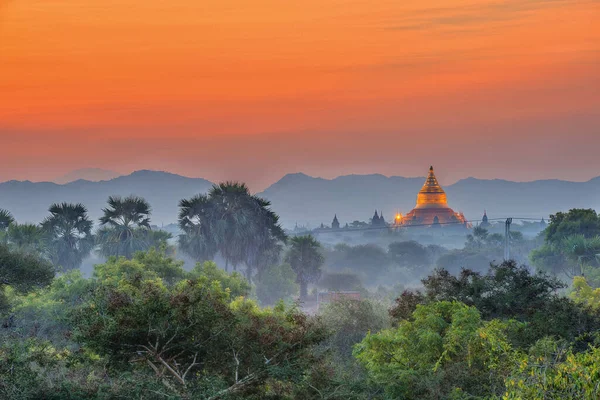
432,207
375,219
335,224
378,220
485,224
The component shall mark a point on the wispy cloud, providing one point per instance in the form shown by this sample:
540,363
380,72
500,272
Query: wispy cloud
482,15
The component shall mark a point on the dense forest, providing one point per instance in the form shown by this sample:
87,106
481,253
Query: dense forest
242,321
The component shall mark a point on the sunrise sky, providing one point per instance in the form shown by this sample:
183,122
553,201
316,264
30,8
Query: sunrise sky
253,89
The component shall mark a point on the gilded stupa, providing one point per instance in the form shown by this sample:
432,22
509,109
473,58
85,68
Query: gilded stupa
432,207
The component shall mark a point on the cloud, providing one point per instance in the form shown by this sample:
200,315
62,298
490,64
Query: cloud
476,17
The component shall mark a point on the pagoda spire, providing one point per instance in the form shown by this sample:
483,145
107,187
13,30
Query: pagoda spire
431,194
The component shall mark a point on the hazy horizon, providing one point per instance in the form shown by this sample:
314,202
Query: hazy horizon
80,173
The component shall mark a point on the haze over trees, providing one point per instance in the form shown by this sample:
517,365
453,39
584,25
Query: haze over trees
426,322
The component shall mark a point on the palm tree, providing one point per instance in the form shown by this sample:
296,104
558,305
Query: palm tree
265,244
194,221
70,231
28,238
306,260
6,219
126,222
233,222
241,225
478,238
582,251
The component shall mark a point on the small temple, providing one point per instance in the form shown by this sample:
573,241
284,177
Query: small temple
432,207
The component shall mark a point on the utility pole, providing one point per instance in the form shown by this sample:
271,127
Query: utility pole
507,239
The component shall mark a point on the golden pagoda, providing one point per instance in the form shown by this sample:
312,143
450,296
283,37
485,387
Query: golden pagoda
432,207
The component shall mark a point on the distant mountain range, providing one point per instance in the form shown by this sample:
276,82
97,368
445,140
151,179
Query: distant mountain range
29,201
88,174
302,199
299,198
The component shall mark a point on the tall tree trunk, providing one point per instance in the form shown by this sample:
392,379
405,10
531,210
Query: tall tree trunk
226,265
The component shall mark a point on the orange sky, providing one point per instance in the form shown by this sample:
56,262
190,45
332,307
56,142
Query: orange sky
253,89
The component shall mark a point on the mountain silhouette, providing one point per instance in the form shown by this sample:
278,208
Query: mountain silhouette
302,199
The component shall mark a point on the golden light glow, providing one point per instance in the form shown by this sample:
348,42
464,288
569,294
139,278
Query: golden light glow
432,203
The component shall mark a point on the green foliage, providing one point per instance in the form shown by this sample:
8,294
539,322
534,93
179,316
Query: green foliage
43,313
208,273
456,260
582,251
340,281
583,293
6,219
274,283
365,259
445,347
190,331
549,258
150,265
194,220
575,222
23,272
305,258
349,321
409,254
552,371
509,291
28,238
34,369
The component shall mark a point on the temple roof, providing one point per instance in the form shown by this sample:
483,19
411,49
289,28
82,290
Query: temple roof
431,194
431,184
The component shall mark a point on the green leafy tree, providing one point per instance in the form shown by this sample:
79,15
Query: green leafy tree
552,371
549,258
276,282
369,261
143,265
582,252
478,238
305,258
350,321
233,283
339,281
70,233
510,291
192,332
42,313
23,272
126,222
575,222
445,348
456,260
583,293
409,254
